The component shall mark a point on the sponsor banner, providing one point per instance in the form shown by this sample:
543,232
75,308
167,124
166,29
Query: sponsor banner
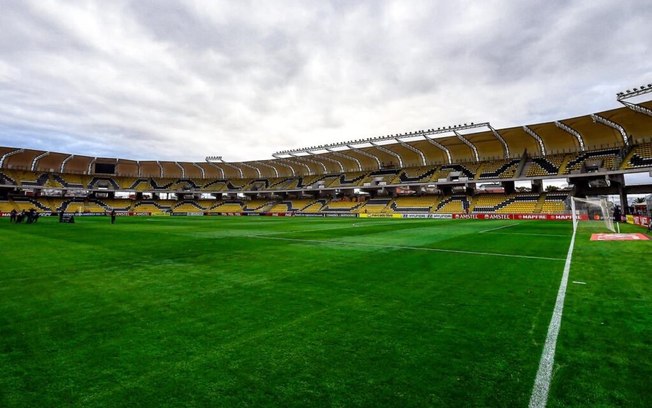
619,237
494,216
179,214
483,216
641,220
309,215
433,216
345,215
142,214
395,215
229,214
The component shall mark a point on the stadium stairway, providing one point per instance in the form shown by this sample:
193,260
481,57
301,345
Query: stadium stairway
564,164
540,202
314,207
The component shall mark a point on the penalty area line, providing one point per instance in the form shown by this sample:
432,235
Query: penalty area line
412,248
539,397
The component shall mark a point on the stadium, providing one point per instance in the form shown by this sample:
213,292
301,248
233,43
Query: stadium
464,264
299,310
459,171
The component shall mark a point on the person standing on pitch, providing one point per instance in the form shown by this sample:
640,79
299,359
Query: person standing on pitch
112,216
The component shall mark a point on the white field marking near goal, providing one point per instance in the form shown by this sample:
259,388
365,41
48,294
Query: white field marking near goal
539,397
413,248
579,283
499,228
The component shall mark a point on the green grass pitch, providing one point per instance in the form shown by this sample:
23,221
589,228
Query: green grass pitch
265,311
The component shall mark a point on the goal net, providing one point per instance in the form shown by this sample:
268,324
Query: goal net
592,214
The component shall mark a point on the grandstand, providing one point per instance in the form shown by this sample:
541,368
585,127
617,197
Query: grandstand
442,166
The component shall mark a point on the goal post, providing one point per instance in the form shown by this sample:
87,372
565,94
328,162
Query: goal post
592,213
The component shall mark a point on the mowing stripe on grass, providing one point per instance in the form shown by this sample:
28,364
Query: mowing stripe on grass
498,228
381,246
539,396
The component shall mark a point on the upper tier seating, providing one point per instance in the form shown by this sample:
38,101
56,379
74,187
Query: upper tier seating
639,156
605,159
415,174
499,169
550,165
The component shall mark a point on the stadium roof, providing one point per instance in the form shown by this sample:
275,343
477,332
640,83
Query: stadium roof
614,128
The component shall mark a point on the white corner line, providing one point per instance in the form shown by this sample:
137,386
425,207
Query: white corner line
539,397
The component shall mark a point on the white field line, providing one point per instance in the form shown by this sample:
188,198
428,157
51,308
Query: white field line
533,234
499,228
539,396
413,248
343,226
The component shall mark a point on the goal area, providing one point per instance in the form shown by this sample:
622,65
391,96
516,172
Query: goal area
595,214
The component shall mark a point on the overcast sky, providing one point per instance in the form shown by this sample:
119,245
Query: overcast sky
180,80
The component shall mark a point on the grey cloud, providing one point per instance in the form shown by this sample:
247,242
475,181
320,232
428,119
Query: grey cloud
180,80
